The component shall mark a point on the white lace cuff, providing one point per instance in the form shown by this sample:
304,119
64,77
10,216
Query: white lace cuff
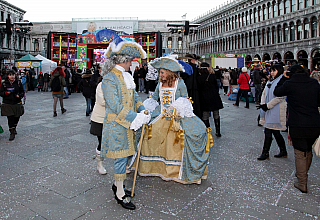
184,107
128,79
150,104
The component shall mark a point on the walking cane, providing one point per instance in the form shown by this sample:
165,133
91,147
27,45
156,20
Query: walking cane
138,157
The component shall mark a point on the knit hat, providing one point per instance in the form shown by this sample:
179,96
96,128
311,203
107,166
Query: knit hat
244,69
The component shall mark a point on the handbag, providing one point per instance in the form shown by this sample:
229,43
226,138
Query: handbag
316,147
249,90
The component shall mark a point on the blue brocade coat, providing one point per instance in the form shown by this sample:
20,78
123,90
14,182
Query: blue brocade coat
122,105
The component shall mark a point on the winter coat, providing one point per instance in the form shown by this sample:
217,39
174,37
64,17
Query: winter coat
84,85
40,80
99,108
256,76
208,92
303,95
226,79
280,123
62,82
93,83
46,77
243,81
15,89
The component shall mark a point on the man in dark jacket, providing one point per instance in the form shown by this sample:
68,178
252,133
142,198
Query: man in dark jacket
66,89
93,83
84,86
257,77
192,84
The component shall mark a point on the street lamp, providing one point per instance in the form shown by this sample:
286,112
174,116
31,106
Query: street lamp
187,29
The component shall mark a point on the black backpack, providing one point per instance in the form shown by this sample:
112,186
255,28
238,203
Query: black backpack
55,85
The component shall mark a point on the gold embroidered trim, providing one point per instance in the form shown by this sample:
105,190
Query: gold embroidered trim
138,104
126,100
120,177
122,153
121,118
111,117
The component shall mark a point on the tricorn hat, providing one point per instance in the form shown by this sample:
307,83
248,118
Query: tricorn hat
167,63
192,56
129,48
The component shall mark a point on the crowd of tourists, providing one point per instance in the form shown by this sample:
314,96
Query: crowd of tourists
176,117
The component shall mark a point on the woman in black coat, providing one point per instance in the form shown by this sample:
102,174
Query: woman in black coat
209,97
303,94
12,92
84,86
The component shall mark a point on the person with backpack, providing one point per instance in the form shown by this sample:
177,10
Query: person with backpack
57,84
85,88
12,92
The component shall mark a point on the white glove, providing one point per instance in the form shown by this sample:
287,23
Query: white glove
141,119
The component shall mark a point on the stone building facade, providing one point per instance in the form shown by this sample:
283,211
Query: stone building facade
17,44
266,29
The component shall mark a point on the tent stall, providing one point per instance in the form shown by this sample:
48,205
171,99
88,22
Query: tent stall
47,66
29,61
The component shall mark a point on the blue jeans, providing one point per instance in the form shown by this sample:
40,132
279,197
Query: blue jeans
66,93
141,84
88,100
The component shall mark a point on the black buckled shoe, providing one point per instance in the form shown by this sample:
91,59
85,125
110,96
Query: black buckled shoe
127,192
125,202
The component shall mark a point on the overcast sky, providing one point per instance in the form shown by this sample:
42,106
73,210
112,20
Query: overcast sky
65,10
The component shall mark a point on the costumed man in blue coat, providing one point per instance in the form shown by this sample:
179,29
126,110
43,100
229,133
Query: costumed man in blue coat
124,112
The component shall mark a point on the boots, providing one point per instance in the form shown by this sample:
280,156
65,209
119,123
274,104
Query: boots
54,114
301,170
282,145
266,148
100,167
217,125
309,159
12,135
63,110
207,123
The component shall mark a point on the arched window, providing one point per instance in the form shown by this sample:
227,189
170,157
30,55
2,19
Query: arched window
247,40
274,35
255,16
306,29
263,37
279,30
286,6
300,4
169,43
243,20
299,30
259,38
180,43
248,18
259,14
314,27
250,39
275,9
280,8
251,17
292,32
269,39
265,15
269,11
293,6
308,3
236,22
254,38
243,41
286,33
